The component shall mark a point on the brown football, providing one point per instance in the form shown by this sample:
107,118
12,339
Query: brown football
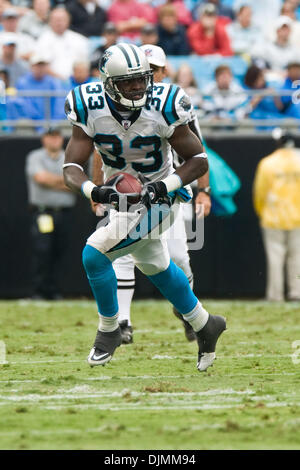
129,184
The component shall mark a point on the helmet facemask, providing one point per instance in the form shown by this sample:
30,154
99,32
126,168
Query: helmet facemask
112,88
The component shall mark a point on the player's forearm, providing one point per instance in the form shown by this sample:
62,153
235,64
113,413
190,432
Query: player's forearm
74,178
97,176
193,168
77,153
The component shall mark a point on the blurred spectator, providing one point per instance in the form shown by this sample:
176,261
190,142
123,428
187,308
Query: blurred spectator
292,85
207,35
38,79
15,67
35,21
81,74
61,45
87,17
109,36
225,13
280,52
242,33
288,9
185,79
227,98
130,16
277,204
184,15
50,205
149,34
11,105
171,35
261,107
25,43
264,12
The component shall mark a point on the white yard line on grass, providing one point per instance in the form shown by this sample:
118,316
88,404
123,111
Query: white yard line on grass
75,394
150,377
155,357
164,408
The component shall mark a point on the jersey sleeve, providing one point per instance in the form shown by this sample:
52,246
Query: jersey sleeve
77,111
176,109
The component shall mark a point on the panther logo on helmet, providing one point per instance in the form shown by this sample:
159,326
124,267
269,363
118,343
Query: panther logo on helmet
104,59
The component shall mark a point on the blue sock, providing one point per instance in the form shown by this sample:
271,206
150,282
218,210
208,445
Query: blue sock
102,279
175,287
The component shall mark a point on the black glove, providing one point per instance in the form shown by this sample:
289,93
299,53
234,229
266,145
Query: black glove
155,193
107,193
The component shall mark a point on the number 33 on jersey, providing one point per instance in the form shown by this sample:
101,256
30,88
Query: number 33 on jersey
135,142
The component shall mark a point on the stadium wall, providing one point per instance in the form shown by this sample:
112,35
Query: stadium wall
231,263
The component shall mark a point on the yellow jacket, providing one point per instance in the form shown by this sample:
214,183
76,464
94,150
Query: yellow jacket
276,189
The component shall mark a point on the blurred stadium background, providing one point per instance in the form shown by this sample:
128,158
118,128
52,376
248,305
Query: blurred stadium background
263,35
250,399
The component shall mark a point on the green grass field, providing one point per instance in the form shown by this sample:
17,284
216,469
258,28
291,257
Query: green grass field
150,396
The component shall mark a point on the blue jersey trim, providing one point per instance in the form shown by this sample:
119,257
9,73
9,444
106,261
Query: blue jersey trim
80,106
169,110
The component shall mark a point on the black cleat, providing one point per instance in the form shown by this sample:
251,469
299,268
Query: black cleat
104,347
207,339
126,332
188,330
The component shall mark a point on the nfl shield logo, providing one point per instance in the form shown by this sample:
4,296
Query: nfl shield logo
126,124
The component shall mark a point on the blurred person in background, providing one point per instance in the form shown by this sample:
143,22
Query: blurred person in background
264,12
15,67
242,33
277,204
208,36
61,45
149,34
35,21
291,85
280,52
261,107
130,16
10,22
87,17
224,98
109,36
81,74
171,35
225,13
39,79
288,10
183,14
184,77
50,205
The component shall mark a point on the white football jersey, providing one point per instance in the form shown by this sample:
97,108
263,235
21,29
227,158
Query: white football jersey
133,145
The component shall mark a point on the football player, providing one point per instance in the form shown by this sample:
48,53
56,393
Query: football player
178,248
134,124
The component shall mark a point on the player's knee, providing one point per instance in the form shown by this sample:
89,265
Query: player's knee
94,261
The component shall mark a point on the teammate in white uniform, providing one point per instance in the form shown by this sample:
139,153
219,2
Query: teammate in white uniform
133,125
177,240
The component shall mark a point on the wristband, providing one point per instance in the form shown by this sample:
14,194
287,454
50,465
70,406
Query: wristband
73,164
87,188
200,155
172,182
